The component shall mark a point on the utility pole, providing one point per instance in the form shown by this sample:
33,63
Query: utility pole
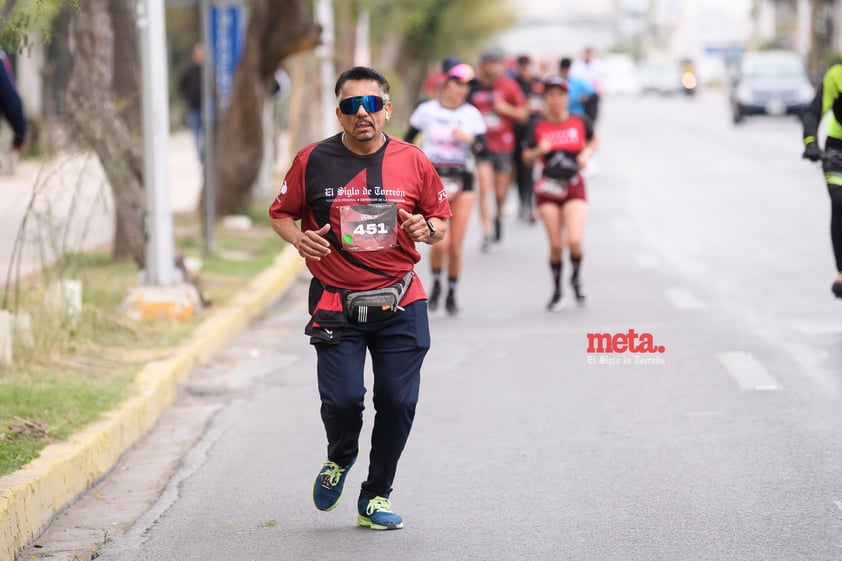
208,136
653,31
162,294
324,53
803,35
815,53
160,250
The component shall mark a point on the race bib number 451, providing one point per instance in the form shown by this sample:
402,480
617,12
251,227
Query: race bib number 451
368,227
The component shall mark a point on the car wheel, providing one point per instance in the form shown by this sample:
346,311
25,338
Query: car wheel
737,117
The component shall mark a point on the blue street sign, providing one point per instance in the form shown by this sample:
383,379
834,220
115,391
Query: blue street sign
226,34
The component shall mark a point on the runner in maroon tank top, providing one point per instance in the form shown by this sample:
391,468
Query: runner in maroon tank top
561,144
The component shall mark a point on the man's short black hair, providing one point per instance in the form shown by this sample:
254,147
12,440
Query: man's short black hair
362,73
565,63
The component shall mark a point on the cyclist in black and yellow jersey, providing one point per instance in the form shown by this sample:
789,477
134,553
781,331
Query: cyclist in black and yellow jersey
829,99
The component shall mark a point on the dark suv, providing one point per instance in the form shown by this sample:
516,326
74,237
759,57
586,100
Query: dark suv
769,83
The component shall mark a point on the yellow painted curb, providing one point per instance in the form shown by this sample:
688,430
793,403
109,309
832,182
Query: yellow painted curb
31,496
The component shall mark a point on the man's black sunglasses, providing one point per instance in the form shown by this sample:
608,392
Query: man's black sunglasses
371,104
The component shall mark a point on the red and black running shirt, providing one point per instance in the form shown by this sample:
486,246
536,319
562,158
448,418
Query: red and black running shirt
501,129
567,139
326,176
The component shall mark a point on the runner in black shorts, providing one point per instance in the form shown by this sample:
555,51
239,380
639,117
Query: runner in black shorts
502,104
451,129
532,88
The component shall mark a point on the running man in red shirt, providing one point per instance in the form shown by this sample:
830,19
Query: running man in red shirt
364,200
561,143
502,104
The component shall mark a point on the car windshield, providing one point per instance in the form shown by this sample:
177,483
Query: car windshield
772,68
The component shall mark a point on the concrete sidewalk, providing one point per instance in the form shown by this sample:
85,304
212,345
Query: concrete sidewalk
30,497
71,206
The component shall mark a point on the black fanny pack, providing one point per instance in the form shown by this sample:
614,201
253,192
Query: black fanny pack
560,165
369,306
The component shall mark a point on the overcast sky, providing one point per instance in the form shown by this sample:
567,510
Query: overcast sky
698,23
558,8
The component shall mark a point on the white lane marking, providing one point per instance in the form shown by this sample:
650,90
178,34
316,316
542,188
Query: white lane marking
647,261
817,329
812,362
747,371
839,504
683,299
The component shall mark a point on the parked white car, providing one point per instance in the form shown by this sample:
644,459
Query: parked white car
661,77
622,76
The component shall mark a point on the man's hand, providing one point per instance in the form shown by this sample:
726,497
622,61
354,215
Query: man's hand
312,244
812,152
415,225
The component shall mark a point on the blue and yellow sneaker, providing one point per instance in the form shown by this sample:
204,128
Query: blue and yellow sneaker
329,484
377,514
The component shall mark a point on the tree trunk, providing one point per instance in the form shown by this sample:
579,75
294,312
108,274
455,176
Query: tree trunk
303,126
413,72
413,58
104,122
345,15
275,31
126,80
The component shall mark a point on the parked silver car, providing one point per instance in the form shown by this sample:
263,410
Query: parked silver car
769,83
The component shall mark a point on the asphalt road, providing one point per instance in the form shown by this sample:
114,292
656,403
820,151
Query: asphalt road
712,239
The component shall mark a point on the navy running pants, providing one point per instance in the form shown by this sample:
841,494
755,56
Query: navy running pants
397,346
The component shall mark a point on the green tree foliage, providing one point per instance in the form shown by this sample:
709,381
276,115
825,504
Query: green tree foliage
412,36
18,19
433,29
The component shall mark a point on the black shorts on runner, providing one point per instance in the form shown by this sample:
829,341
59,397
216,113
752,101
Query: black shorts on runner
500,161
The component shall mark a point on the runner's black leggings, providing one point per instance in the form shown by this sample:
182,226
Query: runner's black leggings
833,176
836,223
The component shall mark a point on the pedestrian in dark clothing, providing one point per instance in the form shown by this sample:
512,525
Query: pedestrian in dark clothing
190,88
11,105
533,89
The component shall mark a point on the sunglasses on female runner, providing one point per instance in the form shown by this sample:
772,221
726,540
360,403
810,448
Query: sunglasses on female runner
371,104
